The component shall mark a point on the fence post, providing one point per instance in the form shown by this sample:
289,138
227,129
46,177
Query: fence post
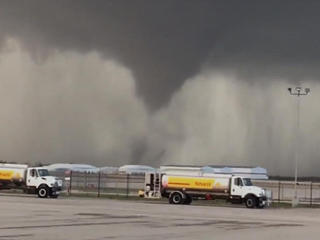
99,179
70,182
311,194
85,181
127,184
279,191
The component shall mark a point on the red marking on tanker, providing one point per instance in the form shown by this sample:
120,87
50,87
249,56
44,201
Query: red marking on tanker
5,174
184,184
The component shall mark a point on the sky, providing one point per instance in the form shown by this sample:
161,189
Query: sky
160,82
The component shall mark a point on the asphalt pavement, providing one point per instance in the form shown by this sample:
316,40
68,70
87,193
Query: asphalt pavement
99,219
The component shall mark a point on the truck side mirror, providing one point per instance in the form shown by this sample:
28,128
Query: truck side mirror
238,182
33,173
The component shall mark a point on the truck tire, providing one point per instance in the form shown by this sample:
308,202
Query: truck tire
176,198
260,205
43,192
188,200
251,202
53,196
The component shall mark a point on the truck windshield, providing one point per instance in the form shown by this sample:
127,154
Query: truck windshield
247,181
43,172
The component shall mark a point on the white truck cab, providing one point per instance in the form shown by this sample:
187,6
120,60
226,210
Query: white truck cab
243,189
39,180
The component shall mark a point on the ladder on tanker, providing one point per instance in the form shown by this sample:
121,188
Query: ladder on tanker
153,185
157,185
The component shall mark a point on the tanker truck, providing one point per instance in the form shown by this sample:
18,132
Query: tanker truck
35,180
183,189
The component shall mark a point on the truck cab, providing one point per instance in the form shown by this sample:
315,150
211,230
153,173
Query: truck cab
242,189
39,180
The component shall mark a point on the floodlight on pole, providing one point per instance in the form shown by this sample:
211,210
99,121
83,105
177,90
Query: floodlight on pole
297,91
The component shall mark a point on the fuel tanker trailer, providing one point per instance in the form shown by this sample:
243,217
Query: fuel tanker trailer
34,180
183,189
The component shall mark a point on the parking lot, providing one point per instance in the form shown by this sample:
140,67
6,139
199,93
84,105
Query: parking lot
27,217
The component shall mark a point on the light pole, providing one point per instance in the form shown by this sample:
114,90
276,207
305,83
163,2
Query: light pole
297,91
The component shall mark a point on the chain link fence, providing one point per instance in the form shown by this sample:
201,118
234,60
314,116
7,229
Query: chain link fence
129,185
101,183
283,191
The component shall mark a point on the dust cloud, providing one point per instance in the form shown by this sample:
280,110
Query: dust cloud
80,108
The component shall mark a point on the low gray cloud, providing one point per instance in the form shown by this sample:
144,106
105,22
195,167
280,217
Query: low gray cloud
70,108
216,118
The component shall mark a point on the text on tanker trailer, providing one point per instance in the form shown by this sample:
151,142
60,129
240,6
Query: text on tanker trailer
31,179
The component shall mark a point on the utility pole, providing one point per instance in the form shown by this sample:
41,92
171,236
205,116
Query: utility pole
298,92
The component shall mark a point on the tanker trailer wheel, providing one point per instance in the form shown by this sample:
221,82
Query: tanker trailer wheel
176,198
43,191
251,202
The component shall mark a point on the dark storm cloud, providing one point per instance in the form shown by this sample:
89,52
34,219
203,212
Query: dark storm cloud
165,42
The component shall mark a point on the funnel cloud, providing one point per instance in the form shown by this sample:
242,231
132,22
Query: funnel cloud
169,82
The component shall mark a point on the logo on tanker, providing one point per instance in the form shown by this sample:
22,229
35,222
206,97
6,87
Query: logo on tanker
165,181
202,184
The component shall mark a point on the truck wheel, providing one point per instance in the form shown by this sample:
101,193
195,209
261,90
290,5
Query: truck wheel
188,200
251,202
175,198
260,205
43,192
51,195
